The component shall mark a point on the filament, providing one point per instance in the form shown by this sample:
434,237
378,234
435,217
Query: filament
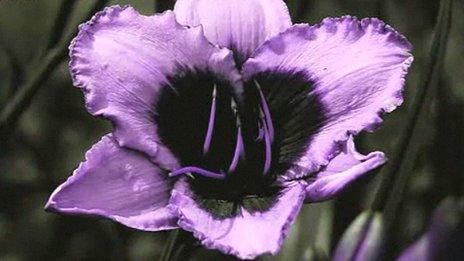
239,140
212,117
238,151
199,171
267,144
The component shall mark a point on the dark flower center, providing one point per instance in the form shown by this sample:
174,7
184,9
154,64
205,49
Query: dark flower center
233,147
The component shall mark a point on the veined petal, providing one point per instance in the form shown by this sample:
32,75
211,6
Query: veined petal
358,69
241,26
245,235
121,59
119,184
342,170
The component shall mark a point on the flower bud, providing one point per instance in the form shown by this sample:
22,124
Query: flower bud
363,240
444,236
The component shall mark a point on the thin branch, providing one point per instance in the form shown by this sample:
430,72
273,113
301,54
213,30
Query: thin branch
60,23
170,245
179,246
395,175
17,71
23,98
449,145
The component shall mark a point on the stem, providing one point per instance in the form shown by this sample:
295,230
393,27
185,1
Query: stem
60,23
448,145
23,97
180,246
16,72
393,182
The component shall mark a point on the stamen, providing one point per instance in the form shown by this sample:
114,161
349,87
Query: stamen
197,170
260,133
267,112
238,152
267,143
212,117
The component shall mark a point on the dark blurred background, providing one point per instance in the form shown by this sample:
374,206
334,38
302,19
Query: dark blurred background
47,138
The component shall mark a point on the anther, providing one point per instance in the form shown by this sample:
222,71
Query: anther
260,133
267,112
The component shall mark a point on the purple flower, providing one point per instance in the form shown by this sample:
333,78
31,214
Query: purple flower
227,117
444,236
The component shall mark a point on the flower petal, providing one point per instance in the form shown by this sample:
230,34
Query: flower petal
119,184
246,235
342,170
121,59
241,26
358,68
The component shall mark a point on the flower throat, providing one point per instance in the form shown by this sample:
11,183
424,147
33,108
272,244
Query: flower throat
231,148
266,134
